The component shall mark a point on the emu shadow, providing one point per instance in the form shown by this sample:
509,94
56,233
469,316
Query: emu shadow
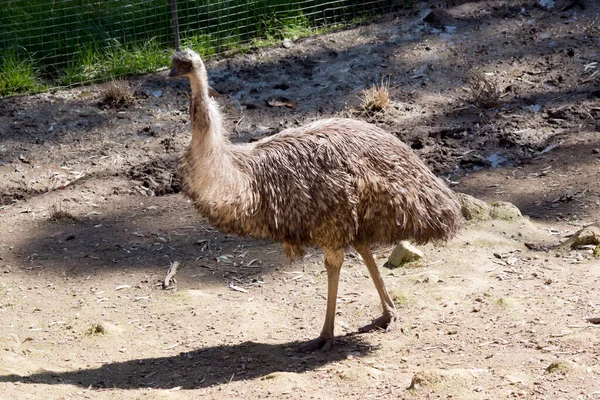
201,368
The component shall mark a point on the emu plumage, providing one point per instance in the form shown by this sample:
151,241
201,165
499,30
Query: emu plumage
332,183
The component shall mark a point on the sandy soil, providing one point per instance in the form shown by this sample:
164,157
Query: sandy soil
91,218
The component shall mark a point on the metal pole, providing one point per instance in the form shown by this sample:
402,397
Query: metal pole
175,23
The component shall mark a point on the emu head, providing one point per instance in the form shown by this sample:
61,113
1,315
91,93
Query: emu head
185,63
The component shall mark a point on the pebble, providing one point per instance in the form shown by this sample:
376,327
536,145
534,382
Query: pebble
404,253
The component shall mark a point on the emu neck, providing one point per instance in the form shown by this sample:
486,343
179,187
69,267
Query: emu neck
207,136
209,170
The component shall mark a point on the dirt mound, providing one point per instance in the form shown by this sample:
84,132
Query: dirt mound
157,178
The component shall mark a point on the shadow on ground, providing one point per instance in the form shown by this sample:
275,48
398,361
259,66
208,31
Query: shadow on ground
147,233
533,185
201,368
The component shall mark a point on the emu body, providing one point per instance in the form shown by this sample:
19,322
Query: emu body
332,183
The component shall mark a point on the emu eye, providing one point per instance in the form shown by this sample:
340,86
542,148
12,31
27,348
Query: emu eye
186,65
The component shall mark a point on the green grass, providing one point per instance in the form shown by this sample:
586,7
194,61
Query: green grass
71,42
114,61
18,76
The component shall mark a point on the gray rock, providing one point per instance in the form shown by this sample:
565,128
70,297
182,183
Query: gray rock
402,254
478,210
473,209
287,43
590,235
505,211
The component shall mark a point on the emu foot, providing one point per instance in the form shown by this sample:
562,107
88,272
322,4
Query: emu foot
384,323
323,343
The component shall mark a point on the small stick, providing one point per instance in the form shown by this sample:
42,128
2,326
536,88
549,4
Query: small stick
170,275
452,363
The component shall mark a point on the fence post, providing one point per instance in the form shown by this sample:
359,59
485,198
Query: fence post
175,23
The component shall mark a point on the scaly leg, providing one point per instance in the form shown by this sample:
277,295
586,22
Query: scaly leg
333,265
389,310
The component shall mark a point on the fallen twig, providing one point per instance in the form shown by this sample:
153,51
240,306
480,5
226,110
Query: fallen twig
452,363
170,276
237,288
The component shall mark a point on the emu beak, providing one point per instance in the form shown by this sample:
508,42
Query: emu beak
173,73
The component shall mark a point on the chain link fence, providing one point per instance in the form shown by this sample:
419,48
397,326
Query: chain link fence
65,42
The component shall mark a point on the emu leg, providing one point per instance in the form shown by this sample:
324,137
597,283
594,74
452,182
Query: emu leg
389,310
333,265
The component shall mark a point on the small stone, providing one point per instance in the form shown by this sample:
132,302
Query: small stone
596,151
287,43
404,253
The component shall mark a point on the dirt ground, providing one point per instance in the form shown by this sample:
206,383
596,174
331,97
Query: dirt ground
91,218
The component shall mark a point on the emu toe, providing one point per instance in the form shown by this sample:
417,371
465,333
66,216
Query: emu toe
383,323
323,343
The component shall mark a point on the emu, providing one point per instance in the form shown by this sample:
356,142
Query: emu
333,183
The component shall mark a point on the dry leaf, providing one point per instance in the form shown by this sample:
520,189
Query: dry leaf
282,103
594,319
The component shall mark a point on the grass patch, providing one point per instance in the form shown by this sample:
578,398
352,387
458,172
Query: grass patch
484,92
95,64
376,99
507,303
96,329
60,213
19,76
557,366
399,298
274,30
116,94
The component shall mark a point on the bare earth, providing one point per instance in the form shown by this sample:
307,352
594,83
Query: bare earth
82,311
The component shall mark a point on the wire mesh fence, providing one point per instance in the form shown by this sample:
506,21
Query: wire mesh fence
65,42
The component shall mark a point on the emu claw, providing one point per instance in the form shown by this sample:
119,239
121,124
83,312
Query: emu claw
323,343
384,323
